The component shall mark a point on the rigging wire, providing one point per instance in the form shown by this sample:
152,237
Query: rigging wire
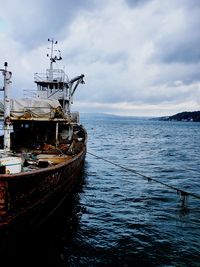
184,194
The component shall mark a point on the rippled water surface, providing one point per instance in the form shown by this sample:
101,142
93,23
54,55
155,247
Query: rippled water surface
118,218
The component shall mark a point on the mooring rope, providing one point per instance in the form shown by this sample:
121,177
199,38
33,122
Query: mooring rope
184,194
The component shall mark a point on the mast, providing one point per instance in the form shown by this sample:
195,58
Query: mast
52,57
7,81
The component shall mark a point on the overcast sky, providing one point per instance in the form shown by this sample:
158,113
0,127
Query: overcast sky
139,57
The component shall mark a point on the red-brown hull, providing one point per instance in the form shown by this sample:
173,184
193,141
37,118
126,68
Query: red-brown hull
27,199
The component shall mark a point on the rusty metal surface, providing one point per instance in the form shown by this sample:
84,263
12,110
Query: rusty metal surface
21,193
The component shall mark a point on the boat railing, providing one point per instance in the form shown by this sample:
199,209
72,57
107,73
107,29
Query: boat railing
55,75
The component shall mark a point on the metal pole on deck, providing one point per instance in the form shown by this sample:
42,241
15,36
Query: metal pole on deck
7,81
56,134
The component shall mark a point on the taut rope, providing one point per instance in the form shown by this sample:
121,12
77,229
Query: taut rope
184,194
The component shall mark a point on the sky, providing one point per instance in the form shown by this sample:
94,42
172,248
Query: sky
139,57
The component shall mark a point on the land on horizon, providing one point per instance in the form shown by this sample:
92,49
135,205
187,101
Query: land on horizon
182,116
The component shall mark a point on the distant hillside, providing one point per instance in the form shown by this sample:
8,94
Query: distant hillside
184,116
111,116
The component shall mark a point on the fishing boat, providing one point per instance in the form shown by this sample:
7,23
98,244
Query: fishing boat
43,148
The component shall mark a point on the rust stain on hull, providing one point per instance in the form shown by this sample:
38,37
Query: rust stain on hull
27,199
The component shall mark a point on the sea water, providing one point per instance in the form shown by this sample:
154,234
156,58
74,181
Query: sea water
119,218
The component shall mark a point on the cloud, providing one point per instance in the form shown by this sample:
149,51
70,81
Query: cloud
134,54
32,22
180,35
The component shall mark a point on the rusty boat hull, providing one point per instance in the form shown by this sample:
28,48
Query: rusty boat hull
28,199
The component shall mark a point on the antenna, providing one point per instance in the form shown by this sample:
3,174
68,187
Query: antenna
53,58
